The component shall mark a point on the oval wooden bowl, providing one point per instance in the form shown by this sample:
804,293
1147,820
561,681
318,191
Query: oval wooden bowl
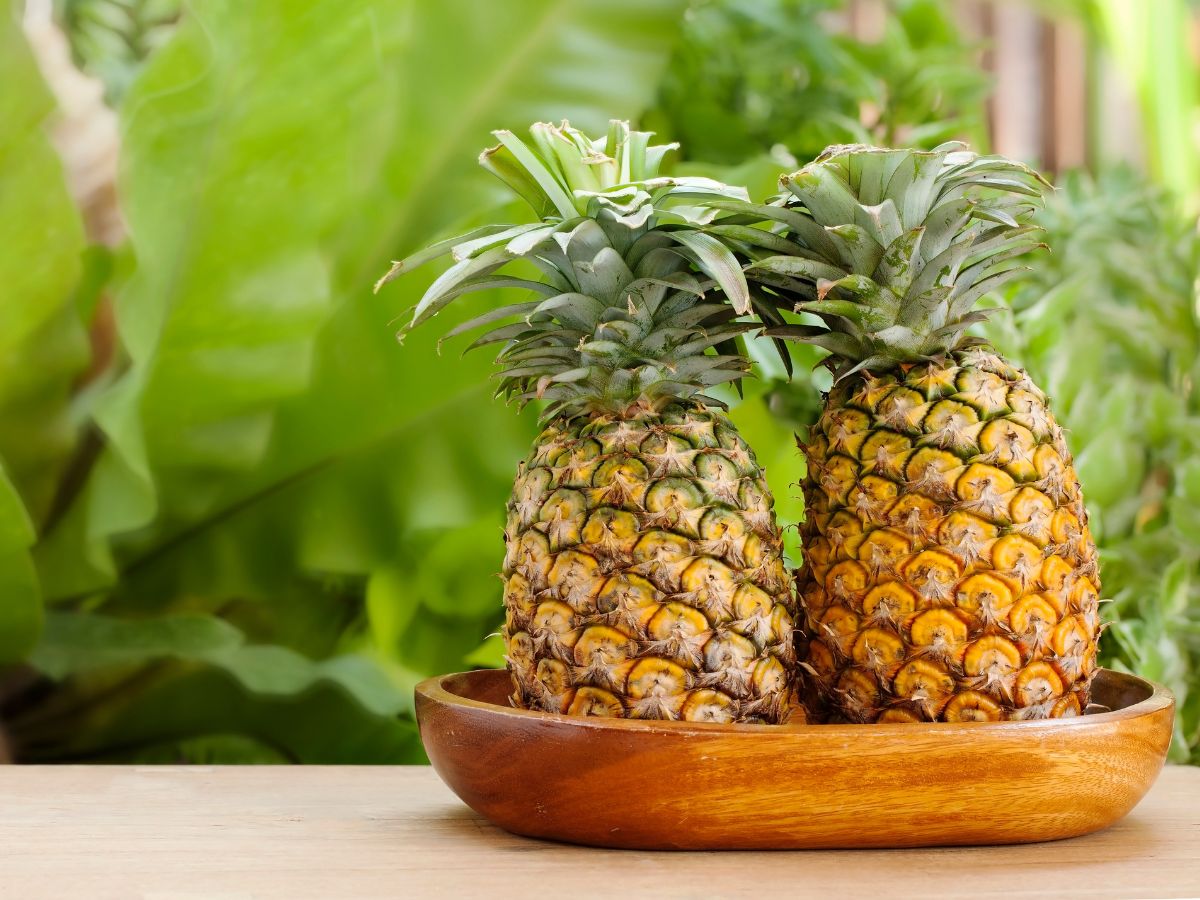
678,785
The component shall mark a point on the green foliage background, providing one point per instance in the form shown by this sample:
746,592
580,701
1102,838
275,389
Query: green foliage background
247,535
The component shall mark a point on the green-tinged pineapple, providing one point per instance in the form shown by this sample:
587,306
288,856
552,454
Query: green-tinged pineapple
643,574
949,573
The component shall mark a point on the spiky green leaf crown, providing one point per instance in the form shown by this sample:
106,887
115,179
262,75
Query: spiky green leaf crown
624,263
891,249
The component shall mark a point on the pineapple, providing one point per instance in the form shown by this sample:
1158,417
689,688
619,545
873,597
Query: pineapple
643,576
949,574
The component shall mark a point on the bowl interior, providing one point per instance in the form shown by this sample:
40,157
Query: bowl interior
1111,691
483,685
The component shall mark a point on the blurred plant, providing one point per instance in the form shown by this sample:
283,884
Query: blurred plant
257,524
776,81
112,39
1154,44
753,74
1109,323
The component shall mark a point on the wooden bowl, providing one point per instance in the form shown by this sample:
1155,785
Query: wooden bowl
678,785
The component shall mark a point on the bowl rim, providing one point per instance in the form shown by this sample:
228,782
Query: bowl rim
434,690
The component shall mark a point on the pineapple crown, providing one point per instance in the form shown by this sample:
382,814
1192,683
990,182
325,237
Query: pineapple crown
621,261
891,249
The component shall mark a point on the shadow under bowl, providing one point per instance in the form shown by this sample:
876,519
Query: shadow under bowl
679,785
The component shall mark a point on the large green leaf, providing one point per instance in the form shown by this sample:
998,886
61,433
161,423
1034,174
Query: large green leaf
230,184
272,455
254,219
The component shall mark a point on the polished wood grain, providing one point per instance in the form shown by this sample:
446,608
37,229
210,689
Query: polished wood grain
367,833
676,785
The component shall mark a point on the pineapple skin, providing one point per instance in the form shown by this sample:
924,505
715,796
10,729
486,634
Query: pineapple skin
949,571
644,574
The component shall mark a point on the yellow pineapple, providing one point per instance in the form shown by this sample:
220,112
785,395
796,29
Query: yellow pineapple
949,573
643,573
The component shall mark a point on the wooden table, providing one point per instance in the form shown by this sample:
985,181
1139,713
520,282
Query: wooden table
168,833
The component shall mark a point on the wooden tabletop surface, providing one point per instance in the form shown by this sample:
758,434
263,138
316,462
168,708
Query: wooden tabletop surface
169,833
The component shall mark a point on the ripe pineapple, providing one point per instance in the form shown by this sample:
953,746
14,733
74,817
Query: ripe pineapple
643,573
949,573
